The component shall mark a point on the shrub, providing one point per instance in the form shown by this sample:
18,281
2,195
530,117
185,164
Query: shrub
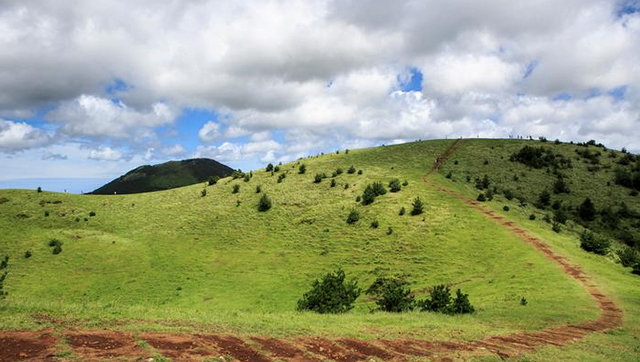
481,198
539,157
438,301
5,262
508,194
346,186
3,294
46,213
594,243
394,185
378,189
236,189
392,294
353,216
57,249
556,227
636,269
265,203
402,211
39,189
269,167
368,196
333,183
246,177
418,207
461,304
405,183
505,208
358,198
318,178
258,189
359,172
281,177
587,210
339,171
532,217
54,242
375,224
203,193
560,216
302,169
628,256
276,169
351,170
389,230
27,254
560,186
523,301
449,175
544,199
213,180
331,294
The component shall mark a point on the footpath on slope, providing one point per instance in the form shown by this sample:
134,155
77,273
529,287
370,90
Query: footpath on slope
104,345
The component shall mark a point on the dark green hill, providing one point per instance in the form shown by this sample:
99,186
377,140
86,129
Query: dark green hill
165,176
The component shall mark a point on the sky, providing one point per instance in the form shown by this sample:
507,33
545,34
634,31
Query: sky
92,89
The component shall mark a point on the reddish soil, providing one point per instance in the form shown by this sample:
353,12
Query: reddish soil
87,346
26,346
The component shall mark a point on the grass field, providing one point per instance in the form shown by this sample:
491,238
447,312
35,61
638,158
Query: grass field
174,260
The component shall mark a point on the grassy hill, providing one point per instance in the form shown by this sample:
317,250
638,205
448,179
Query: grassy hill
177,260
165,176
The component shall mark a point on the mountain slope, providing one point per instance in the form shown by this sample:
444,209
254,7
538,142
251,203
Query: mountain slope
165,176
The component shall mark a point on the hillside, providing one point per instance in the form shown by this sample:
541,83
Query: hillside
183,261
165,176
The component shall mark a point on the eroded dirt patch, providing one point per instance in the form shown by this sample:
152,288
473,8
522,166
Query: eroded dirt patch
103,344
26,346
236,348
180,347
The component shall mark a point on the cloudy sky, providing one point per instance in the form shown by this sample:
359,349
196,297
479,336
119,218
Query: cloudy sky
91,89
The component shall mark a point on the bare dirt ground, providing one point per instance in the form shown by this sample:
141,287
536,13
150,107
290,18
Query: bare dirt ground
48,345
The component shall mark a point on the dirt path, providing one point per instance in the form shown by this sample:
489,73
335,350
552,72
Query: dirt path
106,345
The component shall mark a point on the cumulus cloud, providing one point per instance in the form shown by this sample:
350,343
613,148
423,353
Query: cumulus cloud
209,132
105,154
175,150
16,136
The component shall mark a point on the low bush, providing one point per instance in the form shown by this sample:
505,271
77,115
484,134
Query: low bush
302,169
333,183
331,294
318,178
402,211
236,189
532,217
505,208
375,224
203,193
213,180
27,254
405,183
378,189
265,203
258,189
281,177
269,167
359,172
481,198
5,262
392,294
389,230
418,207
440,300
353,216
594,243
628,256
351,170
394,185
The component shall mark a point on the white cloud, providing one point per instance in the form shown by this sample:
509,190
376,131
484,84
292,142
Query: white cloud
209,132
15,136
175,150
105,154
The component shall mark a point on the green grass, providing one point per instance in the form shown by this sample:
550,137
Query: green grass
174,260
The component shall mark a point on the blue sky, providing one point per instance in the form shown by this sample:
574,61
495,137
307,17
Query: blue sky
248,84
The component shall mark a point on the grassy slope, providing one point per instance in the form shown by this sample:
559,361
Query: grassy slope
242,271
619,345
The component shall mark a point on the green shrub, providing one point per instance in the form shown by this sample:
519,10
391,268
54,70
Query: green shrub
302,169
378,189
544,199
439,300
375,224
39,189
392,294
394,185
46,213
57,249
368,195
353,216
505,208
405,183
481,198
5,262
339,171
203,193
418,207
318,178
556,226
461,304
246,177
265,203
236,189
276,169
560,216
389,231
331,294
402,211
532,217
213,180
333,183
587,210
269,167
523,301
359,172
281,177
628,256
508,194
351,170
3,294
560,186
358,198
346,186
54,242
258,189
594,243
27,254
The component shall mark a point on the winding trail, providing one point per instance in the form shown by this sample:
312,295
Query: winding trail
105,345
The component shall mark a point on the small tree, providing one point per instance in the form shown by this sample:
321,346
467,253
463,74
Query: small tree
351,170
333,183
27,254
438,301
560,186
331,294
461,304
392,294
318,178
213,180
353,216
265,203
269,167
302,169
276,169
39,189
594,243
394,185
339,171
368,196
236,189
628,256
544,199
203,193
258,189
378,189
246,177
587,210
402,211
281,177
418,207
